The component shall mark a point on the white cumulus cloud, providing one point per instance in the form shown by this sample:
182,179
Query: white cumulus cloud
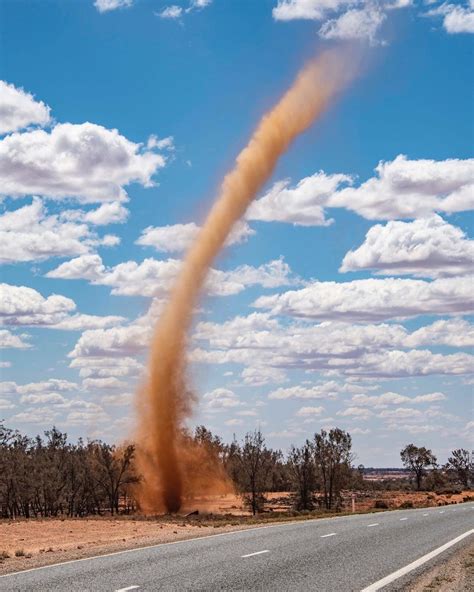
411,189
85,161
28,233
401,189
341,19
373,299
319,391
87,267
302,205
390,398
171,12
428,247
153,277
109,5
309,411
354,24
9,340
107,213
20,305
452,332
176,238
288,10
456,18
220,399
19,109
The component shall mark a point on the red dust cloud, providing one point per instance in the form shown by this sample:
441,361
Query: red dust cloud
175,469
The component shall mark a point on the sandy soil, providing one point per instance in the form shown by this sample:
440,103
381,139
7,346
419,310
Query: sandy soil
454,575
42,542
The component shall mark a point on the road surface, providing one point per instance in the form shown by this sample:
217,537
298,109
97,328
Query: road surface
369,552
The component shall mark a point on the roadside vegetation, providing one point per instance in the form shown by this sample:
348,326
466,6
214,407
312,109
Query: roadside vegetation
48,476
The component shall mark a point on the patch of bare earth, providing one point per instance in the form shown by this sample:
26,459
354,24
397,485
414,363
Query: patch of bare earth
456,574
25,544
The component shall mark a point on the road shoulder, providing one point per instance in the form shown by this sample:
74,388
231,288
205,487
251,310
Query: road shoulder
454,574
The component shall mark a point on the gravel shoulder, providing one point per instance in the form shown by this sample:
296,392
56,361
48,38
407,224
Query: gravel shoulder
455,574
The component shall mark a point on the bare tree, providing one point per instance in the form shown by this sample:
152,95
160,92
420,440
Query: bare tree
332,455
214,444
461,462
255,462
302,470
114,470
51,476
417,460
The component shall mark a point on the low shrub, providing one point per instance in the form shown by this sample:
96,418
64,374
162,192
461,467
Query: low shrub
381,505
448,491
407,504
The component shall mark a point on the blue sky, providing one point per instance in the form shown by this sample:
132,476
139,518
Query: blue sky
346,297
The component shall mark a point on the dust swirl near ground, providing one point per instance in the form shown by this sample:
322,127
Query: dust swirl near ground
166,459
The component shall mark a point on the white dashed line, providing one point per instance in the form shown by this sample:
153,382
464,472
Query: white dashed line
411,566
129,588
426,514
257,553
374,524
442,512
323,536
403,518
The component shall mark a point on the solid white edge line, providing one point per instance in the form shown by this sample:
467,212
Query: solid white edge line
128,588
256,553
411,566
323,536
209,536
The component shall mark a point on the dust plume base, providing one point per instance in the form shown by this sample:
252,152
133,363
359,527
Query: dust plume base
172,468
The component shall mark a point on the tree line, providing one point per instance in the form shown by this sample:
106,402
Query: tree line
50,476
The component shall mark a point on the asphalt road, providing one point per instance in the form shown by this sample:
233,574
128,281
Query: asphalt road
330,555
